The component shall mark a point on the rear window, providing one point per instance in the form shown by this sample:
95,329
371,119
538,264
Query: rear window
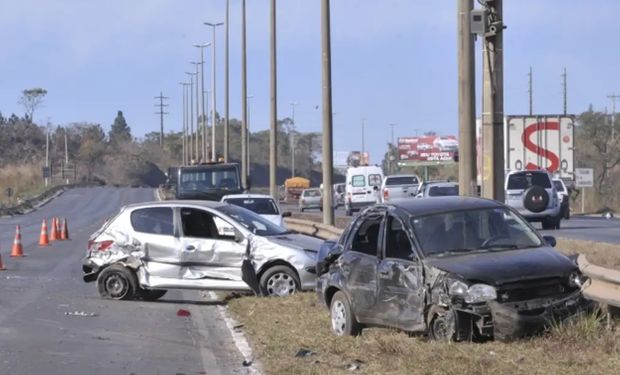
312,193
358,180
262,206
374,179
558,186
154,220
443,191
521,181
401,180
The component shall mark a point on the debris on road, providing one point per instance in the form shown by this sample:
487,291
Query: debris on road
81,313
246,363
183,312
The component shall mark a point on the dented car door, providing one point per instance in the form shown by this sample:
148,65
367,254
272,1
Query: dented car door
400,299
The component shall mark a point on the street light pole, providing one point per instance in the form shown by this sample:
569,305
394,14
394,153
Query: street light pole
184,85
213,95
226,74
293,125
202,97
273,134
191,114
249,136
197,146
244,101
328,155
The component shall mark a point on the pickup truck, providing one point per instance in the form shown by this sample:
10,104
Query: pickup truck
399,187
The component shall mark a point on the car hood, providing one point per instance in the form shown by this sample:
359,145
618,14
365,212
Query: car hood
296,241
495,268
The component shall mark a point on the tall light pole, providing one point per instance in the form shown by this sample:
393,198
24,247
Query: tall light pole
244,101
328,151
66,154
363,140
184,85
389,155
293,104
226,74
213,94
202,97
191,114
273,133
613,98
249,135
47,153
197,145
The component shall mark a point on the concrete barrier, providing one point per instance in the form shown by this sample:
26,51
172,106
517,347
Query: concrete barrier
604,283
311,228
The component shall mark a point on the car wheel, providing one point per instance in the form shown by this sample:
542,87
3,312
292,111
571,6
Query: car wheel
279,281
442,324
117,282
152,294
342,319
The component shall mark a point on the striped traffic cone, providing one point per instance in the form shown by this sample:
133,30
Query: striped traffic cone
44,239
58,228
64,234
53,232
1,265
17,250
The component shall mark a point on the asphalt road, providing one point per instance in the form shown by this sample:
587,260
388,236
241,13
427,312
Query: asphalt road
578,227
124,337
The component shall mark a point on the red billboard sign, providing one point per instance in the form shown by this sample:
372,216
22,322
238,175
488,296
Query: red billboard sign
425,149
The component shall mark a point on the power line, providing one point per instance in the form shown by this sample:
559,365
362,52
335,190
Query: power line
161,114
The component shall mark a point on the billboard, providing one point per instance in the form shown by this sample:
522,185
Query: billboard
431,149
540,142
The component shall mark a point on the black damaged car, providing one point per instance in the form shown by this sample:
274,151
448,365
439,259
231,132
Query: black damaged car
454,268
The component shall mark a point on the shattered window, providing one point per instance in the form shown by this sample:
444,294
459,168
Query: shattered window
154,220
398,244
366,239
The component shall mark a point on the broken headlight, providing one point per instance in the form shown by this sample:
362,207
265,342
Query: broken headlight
576,279
472,294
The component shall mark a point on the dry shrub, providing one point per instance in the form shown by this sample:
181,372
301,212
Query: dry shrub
25,179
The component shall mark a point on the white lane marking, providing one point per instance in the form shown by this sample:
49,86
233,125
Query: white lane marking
238,337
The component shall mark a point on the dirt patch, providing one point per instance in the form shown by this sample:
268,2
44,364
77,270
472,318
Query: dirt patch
301,324
602,254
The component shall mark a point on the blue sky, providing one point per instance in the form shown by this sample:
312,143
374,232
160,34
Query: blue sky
394,61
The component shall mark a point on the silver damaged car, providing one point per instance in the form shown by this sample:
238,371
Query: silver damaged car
151,247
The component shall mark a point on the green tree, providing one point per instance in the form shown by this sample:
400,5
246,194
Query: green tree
32,99
120,132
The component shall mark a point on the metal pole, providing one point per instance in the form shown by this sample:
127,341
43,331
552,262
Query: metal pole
531,92
493,111
249,137
197,137
226,76
613,98
203,121
467,105
191,115
213,92
244,101
565,91
273,134
328,164
183,84
161,119
66,154
47,151
293,139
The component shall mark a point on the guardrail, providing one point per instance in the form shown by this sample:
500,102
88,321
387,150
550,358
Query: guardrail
603,286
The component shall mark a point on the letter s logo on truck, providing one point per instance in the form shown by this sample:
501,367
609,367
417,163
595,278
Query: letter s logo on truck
527,142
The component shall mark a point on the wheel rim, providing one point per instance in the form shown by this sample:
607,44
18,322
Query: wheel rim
116,285
281,284
440,329
339,317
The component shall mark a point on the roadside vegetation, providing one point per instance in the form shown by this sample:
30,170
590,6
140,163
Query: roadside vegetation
283,330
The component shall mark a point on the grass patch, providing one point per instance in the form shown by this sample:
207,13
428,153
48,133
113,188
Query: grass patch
279,327
26,181
599,253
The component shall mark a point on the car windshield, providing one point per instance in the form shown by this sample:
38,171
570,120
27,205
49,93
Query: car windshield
443,191
558,186
312,193
522,181
492,229
262,206
401,180
253,222
197,180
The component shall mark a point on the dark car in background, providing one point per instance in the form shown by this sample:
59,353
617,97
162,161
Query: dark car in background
208,181
455,268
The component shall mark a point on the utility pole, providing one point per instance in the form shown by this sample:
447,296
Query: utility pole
493,105
328,151
466,97
67,154
363,144
161,114
389,154
530,92
47,152
202,98
292,138
191,115
226,76
249,137
213,95
273,134
613,98
565,91
197,145
244,101
184,85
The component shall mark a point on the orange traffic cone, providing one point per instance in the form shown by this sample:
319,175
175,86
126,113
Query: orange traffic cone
58,228
17,250
1,265
64,234
53,231
43,239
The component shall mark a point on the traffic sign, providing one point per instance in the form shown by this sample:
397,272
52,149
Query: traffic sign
584,177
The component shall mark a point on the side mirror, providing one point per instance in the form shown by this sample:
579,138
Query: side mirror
238,236
550,240
287,214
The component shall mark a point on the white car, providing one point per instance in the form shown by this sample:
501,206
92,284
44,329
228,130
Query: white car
446,144
262,204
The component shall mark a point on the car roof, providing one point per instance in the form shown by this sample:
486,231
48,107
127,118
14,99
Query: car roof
401,175
421,207
177,203
528,171
442,183
265,196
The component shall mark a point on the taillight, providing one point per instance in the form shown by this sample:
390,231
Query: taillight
386,194
99,246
